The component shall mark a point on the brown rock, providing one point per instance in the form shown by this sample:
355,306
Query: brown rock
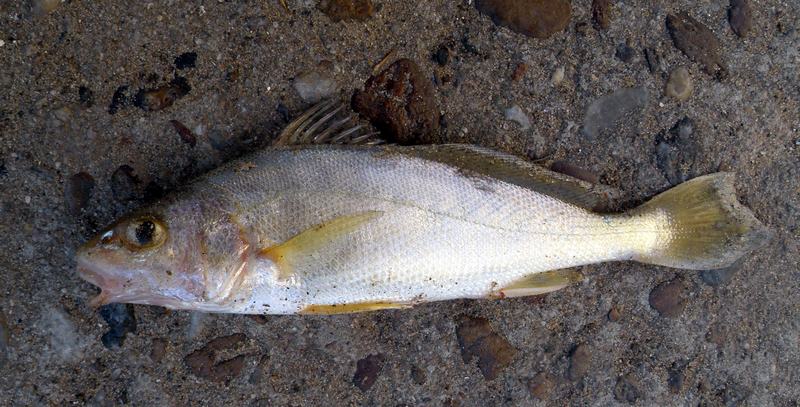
614,314
740,17
477,340
579,360
367,371
698,42
162,97
534,18
669,298
399,102
158,348
78,191
601,13
519,72
186,135
542,385
202,362
338,10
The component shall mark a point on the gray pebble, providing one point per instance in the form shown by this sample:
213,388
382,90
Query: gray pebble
604,112
679,86
315,85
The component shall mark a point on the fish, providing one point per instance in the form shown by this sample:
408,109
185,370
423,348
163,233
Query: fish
312,226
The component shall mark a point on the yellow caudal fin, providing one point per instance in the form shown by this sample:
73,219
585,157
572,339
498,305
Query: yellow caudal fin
706,227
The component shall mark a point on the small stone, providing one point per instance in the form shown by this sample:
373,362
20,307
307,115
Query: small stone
85,96
338,10
399,102
119,100
723,276
158,349
315,85
202,364
614,315
679,86
367,371
653,60
477,340
740,17
601,13
627,389
542,385
121,321
515,114
442,55
186,135
78,191
519,72
186,60
579,360
567,168
698,42
625,53
163,96
5,340
606,111
418,375
677,377
534,18
669,298
124,184
558,76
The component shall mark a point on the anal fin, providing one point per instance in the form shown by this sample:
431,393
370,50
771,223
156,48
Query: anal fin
539,283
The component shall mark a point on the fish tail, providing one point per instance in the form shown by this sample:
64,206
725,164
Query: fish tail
704,225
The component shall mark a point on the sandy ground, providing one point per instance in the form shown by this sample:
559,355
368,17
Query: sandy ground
728,337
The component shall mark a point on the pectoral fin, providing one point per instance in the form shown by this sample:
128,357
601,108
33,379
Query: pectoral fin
332,309
309,242
540,283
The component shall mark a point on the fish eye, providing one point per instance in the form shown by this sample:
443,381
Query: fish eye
145,232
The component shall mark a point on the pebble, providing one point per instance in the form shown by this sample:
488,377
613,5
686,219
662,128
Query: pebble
558,76
202,362
676,378
186,135
162,97
399,102
367,371
653,59
604,112
315,85
124,184
186,60
158,349
614,315
542,385
669,298
723,276
519,72
698,42
339,10
601,13
477,340
78,191
5,340
625,53
627,389
534,18
679,86
676,152
418,375
442,55
740,17
579,360
119,100
515,114
85,97
121,321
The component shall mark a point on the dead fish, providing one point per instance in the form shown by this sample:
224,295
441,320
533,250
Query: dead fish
325,229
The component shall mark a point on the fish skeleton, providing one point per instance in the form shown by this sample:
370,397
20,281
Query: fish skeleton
325,229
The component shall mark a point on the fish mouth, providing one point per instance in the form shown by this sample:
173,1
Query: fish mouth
91,273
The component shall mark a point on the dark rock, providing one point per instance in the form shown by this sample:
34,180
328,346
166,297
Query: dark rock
119,100
534,18
77,192
186,135
399,102
669,298
698,42
723,276
601,13
442,55
124,184
574,171
338,10
625,53
579,361
740,17
186,60
614,315
477,340
653,60
5,340
367,371
283,111
677,377
158,349
202,362
418,375
606,111
542,385
627,389
676,152
121,321
85,96
163,96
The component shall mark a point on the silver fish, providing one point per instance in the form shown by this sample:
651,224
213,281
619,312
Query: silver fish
326,229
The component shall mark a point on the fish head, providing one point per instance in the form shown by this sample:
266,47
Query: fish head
155,256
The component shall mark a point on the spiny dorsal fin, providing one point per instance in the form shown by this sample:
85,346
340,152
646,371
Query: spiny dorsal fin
517,171
291,252
327,122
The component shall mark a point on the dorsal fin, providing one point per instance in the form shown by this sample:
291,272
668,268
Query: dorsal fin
327,122
517,171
